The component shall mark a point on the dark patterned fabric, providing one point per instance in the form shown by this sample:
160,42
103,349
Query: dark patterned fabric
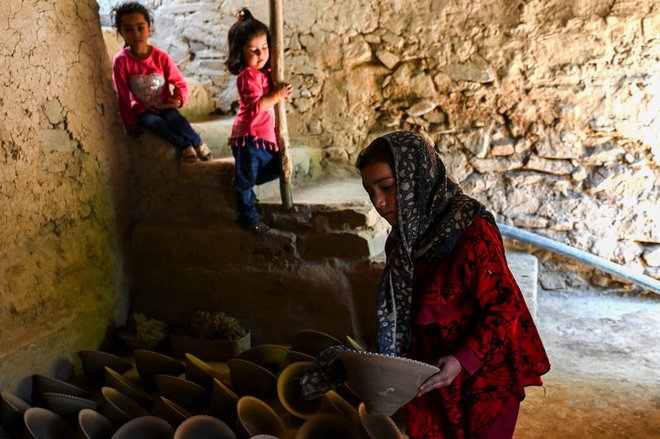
475,303
433,214
325,373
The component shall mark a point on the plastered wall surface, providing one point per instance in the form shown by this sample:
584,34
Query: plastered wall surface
62,177
547,110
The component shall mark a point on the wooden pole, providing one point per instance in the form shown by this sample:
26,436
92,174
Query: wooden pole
277,73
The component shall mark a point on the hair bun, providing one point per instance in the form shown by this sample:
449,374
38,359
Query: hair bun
243,14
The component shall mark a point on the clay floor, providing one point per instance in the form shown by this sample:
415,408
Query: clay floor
605,379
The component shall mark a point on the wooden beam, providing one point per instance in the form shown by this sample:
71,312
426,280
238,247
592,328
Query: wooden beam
277,74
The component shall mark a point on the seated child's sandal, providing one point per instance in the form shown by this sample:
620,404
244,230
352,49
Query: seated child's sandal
189,155
203,152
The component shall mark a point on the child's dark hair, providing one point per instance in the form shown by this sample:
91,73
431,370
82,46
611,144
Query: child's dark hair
241,32
378,151
128,8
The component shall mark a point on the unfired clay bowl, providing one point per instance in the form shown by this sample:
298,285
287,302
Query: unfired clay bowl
120,408
67,405
170,411
204,427
187,394
45,384
223,402
248,378
93,425
41,423
377,426
200,372
94,362
12,409
333,403
126,386
150,363
270,356
385,383
290,395
145,427
256,417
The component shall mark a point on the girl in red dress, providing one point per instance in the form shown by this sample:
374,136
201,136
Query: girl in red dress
447,296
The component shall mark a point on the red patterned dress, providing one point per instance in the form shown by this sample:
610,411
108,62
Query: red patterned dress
468,304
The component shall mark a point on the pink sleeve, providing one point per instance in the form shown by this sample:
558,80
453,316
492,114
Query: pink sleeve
249,89
173,76
120,82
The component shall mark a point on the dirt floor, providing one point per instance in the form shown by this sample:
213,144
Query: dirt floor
605,377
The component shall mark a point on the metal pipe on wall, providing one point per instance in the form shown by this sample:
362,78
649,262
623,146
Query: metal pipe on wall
581,256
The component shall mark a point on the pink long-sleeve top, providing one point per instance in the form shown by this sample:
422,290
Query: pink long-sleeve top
252,85
141,84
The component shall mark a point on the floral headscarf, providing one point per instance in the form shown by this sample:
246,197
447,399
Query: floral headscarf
433,214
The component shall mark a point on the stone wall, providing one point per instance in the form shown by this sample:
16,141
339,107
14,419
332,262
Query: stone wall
547,110
62,180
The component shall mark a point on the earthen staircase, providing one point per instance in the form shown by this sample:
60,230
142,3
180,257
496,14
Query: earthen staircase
319,266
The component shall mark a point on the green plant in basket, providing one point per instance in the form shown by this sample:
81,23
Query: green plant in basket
142,332
205,324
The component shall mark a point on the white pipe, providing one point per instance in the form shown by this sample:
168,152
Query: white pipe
580,255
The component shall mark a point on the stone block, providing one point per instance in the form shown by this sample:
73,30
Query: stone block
530,222
421,107
341,217
199,104
495,164
388,59
557,167
356,53
216,132
343,245
469,71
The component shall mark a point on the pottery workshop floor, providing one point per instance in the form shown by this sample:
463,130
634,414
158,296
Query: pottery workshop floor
605,379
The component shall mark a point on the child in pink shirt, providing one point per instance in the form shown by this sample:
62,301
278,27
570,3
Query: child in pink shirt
253,141
142,76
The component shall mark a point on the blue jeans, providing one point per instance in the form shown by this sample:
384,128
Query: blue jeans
254,166
171,126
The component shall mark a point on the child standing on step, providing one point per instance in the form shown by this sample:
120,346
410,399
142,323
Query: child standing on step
253,141
142,76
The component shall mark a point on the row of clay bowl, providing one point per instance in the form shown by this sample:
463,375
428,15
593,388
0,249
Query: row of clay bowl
163,397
